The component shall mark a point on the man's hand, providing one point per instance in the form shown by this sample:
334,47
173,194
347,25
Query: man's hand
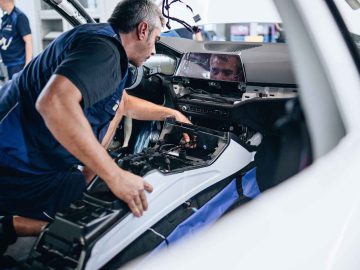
131,189
182,118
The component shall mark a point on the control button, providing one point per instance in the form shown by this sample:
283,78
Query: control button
184,108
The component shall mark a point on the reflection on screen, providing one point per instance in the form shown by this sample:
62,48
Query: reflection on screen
220,67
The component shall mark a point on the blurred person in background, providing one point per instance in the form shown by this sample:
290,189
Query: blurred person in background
15,38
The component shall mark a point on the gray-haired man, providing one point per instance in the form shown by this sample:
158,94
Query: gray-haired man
68,100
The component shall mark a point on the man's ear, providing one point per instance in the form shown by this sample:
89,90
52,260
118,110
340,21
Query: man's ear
142,30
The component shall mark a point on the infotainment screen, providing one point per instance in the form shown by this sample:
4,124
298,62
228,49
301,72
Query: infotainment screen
219,67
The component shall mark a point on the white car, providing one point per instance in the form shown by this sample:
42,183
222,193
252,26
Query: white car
312,220
308,221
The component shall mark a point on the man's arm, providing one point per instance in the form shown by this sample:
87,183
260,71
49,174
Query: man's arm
28,48
140,109
23,28
109,135
59,105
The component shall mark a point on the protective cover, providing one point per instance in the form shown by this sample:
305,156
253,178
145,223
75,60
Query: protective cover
191,185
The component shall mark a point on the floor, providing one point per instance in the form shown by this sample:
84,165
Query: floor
17,252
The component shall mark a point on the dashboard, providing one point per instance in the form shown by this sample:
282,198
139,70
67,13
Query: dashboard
225,86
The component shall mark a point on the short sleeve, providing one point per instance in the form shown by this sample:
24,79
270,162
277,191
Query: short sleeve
93,66
22,25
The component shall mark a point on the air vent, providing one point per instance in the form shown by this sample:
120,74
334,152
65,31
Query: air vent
226,47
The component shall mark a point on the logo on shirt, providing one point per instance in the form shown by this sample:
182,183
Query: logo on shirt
8,27
4,43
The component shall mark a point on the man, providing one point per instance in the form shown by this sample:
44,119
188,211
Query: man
224,67
55,111
15,38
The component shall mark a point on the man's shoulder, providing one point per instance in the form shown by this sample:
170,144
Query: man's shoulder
95,33
19,17
96,39
18,12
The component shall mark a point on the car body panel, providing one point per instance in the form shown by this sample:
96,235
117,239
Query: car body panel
309,222
330,96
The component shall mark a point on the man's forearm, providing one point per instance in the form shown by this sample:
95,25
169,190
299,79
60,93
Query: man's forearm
144,110
28,52
109,135
28,49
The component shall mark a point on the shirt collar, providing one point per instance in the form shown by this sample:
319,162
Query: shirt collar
6,15
116,31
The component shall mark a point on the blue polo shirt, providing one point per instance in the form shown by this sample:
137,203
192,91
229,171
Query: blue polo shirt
14,27
92,58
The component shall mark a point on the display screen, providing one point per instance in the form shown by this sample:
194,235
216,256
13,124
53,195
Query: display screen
219,67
